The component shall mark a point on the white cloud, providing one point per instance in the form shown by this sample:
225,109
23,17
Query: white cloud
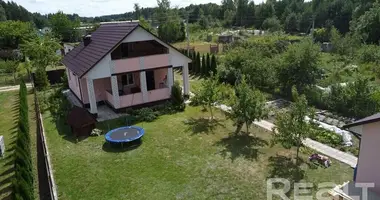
98,7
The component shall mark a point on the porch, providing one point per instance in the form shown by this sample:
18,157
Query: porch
129,89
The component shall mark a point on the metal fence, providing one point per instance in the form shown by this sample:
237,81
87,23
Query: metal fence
47,186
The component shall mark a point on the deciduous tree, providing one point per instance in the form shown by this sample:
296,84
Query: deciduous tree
291,128
248,106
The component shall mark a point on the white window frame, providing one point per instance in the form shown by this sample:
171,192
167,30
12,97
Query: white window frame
130,78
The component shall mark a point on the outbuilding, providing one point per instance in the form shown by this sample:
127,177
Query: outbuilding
81,121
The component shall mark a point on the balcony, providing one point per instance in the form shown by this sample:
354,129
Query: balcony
146,62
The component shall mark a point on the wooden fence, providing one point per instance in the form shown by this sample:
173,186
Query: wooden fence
46,183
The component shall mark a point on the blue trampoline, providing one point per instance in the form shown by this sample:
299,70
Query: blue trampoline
124,135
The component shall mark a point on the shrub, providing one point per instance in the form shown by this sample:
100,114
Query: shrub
41,81
326,137
146,114
23,182
177,97
369,53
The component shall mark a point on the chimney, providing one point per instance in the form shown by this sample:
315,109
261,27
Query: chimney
87,40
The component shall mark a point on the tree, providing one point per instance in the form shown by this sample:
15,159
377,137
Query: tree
42,51
204,65
213,64
291,127
41,81
10,66
208,94
137,8
272,24
13,33
198,63
368,24
64,28
300,66
292,23
248,106
3,16
241,12
208,64
144,23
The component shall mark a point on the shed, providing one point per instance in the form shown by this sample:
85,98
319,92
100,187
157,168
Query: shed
81,121
225,39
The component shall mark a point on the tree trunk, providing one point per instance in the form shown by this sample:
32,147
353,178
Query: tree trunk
246,125
239,126
298,150
212,116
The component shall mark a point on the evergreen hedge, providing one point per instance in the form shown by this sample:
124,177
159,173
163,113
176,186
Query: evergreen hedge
23,181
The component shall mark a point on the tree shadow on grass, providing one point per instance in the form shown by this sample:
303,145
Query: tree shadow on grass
284,167
241,145
5,190
202,125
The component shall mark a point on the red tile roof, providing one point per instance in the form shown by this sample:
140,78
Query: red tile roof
81,59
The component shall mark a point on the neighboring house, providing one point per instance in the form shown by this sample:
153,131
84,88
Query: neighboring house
124,65
368,167
66,49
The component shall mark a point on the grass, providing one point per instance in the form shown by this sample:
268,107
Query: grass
195,81
8,124
201,47
182,156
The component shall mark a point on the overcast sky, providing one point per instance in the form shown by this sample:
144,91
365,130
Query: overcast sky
90,8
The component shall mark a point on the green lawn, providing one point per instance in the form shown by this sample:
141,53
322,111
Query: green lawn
201,47
183,156
8,124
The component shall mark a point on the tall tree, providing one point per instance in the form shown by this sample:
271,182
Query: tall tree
208,64
204,65
248,106
3,15
137,8
241,12
300,66
64,28
213,64
291,127
292,23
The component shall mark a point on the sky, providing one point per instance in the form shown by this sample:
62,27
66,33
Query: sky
92,8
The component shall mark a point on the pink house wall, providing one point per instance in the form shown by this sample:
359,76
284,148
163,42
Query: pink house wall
154,61
131,99
73,83
100,87
133,64
158,94
369,162
127,65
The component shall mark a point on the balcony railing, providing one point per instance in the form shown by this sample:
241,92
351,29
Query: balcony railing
136,64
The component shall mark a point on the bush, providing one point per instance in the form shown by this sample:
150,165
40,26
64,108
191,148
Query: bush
146,114
41,81
326,137
369,53
177,97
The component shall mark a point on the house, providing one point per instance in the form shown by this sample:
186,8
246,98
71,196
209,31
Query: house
368,167
123,65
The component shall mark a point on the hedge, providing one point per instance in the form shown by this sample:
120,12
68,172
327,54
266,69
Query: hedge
23,181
